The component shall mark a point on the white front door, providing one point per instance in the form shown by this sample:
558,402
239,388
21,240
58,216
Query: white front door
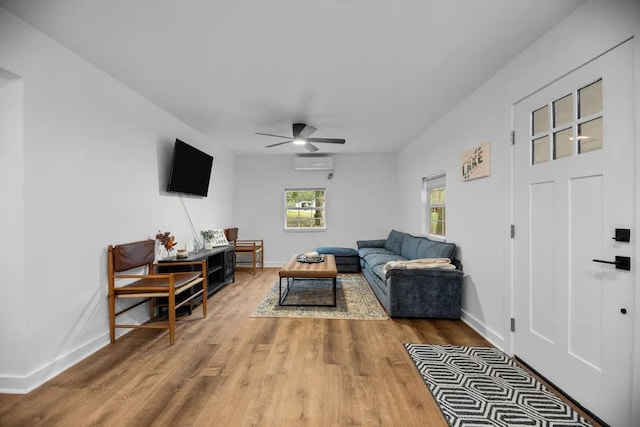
574,186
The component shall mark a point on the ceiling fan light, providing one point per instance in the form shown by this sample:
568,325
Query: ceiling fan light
299,141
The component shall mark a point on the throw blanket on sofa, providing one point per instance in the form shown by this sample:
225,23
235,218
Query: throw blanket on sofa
441,263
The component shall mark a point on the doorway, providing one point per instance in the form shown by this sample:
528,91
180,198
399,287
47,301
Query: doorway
574,192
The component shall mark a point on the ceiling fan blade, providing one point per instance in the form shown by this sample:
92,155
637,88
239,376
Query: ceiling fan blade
307,131
302,130
310,147
279,143
327,140
270,134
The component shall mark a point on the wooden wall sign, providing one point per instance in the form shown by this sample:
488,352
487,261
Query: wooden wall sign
219,238
475,162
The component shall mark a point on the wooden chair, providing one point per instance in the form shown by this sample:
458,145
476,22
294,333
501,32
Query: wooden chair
253,247
150,284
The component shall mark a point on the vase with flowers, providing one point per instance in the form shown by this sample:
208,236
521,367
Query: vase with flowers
207,236
167,241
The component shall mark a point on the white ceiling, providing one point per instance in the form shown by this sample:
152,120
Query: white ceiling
375,72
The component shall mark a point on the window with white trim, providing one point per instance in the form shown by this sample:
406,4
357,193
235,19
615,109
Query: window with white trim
305,209
434,218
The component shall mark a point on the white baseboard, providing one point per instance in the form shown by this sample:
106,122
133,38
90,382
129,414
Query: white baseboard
24,384
275,264
266,264
487,333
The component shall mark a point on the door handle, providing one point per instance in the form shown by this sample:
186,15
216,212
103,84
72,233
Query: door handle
621,262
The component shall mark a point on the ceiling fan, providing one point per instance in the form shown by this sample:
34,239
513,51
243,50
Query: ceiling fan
301,134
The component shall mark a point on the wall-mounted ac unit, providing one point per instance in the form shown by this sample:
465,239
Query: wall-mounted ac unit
313,163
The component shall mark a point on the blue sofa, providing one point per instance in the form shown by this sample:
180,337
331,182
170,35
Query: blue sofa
421,292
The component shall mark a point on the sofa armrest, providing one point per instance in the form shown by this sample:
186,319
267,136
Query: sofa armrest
429,294
377,243
423,272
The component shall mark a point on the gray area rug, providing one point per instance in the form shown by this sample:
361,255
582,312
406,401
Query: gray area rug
482,386
354,300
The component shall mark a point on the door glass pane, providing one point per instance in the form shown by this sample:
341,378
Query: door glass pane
540,150
563,111
540,120
563,143
590,99
590,136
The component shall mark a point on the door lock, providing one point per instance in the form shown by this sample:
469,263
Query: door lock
621,262
622,235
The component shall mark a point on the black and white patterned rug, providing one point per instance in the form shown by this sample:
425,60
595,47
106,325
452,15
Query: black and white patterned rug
482,386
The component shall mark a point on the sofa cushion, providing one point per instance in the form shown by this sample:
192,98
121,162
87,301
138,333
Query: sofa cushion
376,243
431,249
363,252
378,270
382,259
394,241
410,246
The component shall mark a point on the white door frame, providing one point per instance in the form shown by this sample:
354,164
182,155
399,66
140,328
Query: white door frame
635,262
635,234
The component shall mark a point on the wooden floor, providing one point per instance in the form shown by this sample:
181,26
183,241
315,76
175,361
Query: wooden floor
233,370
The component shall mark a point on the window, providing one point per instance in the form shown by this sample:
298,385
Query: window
433,201
569,126
305,209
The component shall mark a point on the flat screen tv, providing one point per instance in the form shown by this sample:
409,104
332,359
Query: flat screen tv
190,170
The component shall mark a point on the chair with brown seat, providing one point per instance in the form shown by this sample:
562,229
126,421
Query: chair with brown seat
149,284
253,247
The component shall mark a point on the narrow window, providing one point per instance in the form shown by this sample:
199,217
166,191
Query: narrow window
434,207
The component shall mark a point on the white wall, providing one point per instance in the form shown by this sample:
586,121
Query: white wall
96,158
361,202
479,212
12,216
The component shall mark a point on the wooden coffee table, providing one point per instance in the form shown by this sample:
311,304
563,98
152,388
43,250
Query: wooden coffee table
293,269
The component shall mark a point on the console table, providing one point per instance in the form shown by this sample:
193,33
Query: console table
220,268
